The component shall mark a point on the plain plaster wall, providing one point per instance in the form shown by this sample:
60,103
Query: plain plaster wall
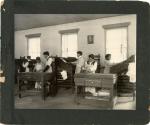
51,38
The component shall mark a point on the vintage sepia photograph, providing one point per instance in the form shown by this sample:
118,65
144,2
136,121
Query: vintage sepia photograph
75,61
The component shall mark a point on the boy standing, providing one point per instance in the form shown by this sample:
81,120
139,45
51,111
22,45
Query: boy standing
80,62
108,63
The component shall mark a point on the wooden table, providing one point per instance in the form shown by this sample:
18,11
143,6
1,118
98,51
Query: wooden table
98,80
34,76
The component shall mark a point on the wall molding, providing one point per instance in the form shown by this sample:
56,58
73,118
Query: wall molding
69,31
117,25
33,35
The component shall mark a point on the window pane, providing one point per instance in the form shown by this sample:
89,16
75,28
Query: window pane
69,45
64,42
72,42
116,43
34,47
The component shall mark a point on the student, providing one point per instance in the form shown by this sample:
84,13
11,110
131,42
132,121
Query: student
31,66
79,67
91,64
108,63
90,67
20,64
80,62
48,69
38,68
29,58
25,65
49,60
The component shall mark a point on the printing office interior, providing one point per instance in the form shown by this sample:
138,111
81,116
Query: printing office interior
64,38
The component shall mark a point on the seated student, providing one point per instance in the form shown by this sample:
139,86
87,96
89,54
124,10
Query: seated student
80,62
108,63
38,68
29,58
31,66
19,64
90,65
25,65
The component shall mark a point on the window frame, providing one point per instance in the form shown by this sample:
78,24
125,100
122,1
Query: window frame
30,36
117,26
66,32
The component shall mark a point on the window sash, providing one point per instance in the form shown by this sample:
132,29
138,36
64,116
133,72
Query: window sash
69,45
34,49
116,43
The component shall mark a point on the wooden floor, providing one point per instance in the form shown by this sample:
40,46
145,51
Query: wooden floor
65,100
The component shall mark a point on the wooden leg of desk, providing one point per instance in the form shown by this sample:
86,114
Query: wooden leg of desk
43,89
76,95
19,87
111,98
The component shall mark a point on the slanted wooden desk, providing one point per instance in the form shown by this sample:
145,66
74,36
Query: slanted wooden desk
35,76
103,81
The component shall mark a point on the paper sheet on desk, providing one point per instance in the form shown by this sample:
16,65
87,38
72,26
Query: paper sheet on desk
64,74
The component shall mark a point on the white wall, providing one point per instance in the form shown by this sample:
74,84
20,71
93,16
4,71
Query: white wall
51,39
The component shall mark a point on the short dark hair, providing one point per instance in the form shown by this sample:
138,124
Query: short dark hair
38,58
79,52
107,55
28,57
46,53
91,56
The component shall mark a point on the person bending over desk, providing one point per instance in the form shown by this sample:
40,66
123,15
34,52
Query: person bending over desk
80,62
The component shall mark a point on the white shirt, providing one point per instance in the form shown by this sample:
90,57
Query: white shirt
80,64
91,67
132,72
38,67
107,66
25,65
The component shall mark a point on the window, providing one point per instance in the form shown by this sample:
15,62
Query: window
34,47
69,45
116,43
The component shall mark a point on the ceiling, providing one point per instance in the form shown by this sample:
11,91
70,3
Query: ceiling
29,21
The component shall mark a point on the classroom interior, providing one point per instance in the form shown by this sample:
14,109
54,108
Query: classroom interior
63,35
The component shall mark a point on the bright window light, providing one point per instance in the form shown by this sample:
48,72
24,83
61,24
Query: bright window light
34,47
69,45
